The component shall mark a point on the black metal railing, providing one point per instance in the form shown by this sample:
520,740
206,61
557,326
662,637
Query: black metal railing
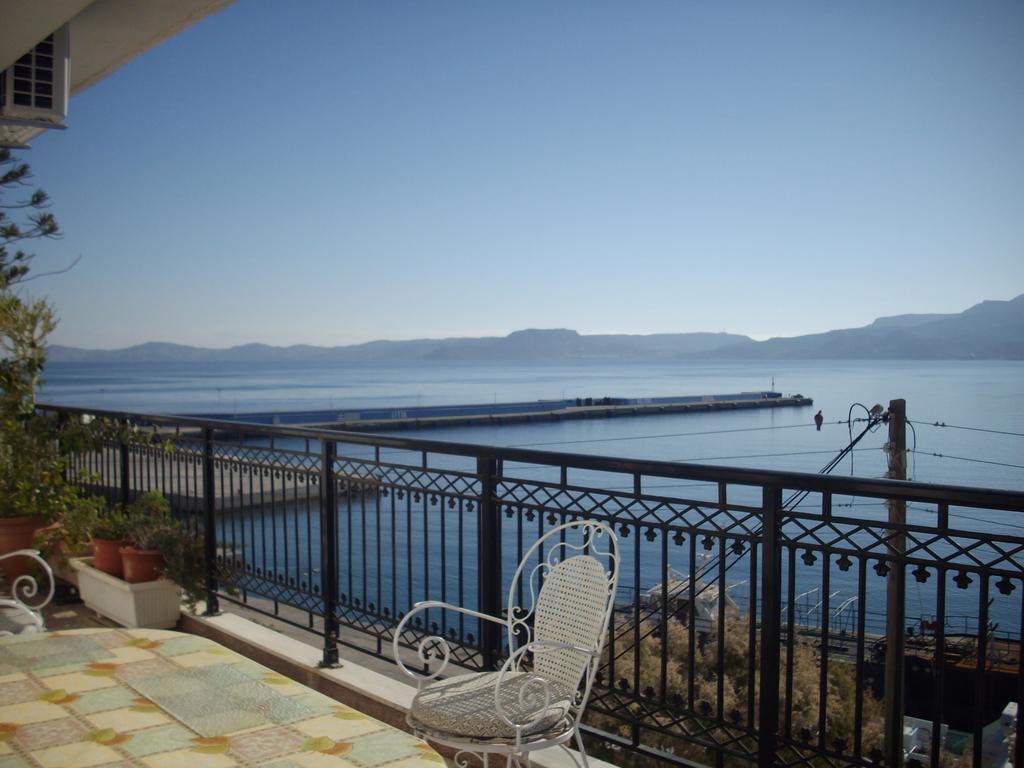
756,607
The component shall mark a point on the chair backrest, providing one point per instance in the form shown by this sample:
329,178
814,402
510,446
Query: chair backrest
578,563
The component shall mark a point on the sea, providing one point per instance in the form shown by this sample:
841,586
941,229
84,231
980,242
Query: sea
966,419
981,404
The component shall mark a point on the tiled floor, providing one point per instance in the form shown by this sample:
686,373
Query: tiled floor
67,612
151,698
73,614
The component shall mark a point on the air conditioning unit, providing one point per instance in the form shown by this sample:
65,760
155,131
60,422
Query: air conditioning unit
34,91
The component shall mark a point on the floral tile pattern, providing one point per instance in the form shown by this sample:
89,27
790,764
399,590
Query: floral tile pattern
152,698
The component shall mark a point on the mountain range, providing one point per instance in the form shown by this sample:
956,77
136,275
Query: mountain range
991,330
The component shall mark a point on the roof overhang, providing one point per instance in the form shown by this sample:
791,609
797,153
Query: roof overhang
104,35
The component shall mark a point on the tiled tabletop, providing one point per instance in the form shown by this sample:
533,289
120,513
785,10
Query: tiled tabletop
144,697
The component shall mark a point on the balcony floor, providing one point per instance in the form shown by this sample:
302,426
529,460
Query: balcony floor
355,669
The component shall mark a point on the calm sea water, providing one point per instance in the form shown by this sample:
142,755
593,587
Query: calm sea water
986,395
974,395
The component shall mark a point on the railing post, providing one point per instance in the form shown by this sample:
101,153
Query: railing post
896,590
489,560
210,525
771,625
329,552
125,465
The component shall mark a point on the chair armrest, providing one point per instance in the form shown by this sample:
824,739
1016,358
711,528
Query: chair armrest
27,586
422,652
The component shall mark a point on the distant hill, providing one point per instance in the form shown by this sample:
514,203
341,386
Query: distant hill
531,344
991,330
905,321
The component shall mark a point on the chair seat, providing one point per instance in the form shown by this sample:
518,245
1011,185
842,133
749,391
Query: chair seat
16,619
465,705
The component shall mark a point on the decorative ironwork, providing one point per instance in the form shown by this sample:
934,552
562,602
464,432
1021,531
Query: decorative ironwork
701,575
25,598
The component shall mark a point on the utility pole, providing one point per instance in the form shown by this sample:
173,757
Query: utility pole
896,588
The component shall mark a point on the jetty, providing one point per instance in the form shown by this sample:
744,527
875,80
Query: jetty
244,478
496,414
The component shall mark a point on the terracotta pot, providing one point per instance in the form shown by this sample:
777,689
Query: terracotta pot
106,555
17,533
141,564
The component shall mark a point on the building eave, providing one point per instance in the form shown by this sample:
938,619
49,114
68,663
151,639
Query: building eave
109,33
104,36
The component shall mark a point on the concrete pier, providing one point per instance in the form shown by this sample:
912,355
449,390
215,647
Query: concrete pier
496,414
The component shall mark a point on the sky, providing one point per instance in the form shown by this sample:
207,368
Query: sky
337,172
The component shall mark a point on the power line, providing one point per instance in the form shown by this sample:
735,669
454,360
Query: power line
767,455
973,461
873,421
842,505
670,434
880,506
587,441
913,449
656,486
794,500
1001,523
516,471
970,429
687,459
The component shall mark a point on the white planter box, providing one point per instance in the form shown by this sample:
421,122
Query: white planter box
149,604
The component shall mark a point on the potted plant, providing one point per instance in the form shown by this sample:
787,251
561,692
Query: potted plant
71,535
180,556
150,531
33,493
88,520
154,598
109,534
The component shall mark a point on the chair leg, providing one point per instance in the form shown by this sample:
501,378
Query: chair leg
582,751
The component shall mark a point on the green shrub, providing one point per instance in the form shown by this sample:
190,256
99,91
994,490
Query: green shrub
151,526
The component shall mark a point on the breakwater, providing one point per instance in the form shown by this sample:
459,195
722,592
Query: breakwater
434,416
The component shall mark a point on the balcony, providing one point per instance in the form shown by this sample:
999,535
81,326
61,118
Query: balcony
763,617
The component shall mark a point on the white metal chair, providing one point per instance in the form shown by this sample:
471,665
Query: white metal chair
537,698
27,617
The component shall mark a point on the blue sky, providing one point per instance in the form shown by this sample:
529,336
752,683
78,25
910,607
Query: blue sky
330,173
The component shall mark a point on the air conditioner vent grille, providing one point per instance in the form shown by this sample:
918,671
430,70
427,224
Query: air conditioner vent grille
33,77
34,90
